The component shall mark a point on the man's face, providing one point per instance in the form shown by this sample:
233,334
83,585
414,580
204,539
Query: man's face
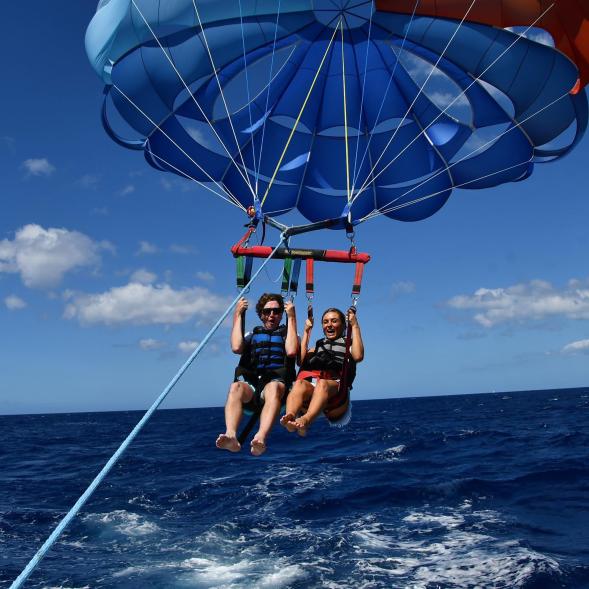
271,314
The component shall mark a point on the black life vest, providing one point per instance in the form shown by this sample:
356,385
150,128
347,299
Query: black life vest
264,357
329,356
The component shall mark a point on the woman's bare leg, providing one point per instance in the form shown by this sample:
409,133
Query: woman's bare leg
298,397
318,403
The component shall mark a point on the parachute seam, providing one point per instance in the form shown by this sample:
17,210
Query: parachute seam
314,133
176,144
475,80
390,82
185,85
422,88
237,144
384,210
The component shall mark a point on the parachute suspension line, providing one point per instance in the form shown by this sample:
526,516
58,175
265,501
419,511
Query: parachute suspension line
222,187
268,97
294,128
437,193
214,68
517,124
247,84
231,201
386,92
456,98
129,439
359,127
419,93
170,61
349,194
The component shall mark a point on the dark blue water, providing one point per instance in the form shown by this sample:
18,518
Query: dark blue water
474,491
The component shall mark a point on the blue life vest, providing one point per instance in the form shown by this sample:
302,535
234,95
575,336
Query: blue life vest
264,357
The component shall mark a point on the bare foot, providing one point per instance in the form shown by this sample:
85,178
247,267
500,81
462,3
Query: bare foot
288,421
301,424
226,442
257,447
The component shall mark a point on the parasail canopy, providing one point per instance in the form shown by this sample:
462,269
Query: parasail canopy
341,109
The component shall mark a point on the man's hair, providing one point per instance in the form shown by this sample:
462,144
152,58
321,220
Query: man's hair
334,310
267,297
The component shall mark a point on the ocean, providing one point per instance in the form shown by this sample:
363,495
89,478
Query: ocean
469,491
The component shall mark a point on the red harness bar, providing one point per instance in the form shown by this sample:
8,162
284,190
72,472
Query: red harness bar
264,251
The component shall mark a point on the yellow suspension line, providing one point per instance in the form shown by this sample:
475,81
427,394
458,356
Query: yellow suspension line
345,116
299,117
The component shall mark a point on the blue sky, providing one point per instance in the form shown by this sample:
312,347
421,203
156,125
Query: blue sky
110,271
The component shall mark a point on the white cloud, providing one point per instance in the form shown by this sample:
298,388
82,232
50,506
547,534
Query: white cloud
38,167
43,256
578,347
182,249
147,248
143,304
143,276
89,181
150,344
129,189
14,303
521,303
188,347
205,276
402,287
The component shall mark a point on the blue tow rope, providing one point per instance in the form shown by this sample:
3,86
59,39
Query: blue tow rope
18,582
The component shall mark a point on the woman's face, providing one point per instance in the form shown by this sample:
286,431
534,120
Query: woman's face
332,325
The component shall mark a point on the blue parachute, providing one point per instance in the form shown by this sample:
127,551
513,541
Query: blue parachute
331,106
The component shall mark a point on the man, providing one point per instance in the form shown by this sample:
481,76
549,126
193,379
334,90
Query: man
265,370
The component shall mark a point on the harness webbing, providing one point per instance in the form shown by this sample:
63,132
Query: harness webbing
24,575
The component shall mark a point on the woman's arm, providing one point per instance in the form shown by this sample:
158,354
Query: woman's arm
357,348
305,341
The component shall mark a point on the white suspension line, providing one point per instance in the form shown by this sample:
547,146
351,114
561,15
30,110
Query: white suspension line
433,194
362,99
245,179
366,150
189,177
247,84
474,81
214,68
434,67
468,155
270,79
222,187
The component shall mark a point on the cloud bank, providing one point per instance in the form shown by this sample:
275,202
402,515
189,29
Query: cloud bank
521,303
143,304
42,257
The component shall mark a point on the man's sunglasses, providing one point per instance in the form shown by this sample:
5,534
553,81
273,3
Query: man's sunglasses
272,311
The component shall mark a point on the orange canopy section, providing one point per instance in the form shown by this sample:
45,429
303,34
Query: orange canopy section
566,20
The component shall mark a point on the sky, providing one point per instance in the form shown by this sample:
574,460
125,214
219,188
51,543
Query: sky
111,272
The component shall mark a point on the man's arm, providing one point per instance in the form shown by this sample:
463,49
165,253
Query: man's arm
237,340
291,345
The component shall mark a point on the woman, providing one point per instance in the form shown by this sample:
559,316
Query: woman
317,388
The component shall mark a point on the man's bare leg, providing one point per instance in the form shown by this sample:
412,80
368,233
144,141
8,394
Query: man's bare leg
318,403
301,392
239,393
273,393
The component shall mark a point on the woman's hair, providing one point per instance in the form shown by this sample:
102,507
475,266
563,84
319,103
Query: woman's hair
334,310
267,297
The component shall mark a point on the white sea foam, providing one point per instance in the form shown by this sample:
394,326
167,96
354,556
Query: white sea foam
124,522
446,548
